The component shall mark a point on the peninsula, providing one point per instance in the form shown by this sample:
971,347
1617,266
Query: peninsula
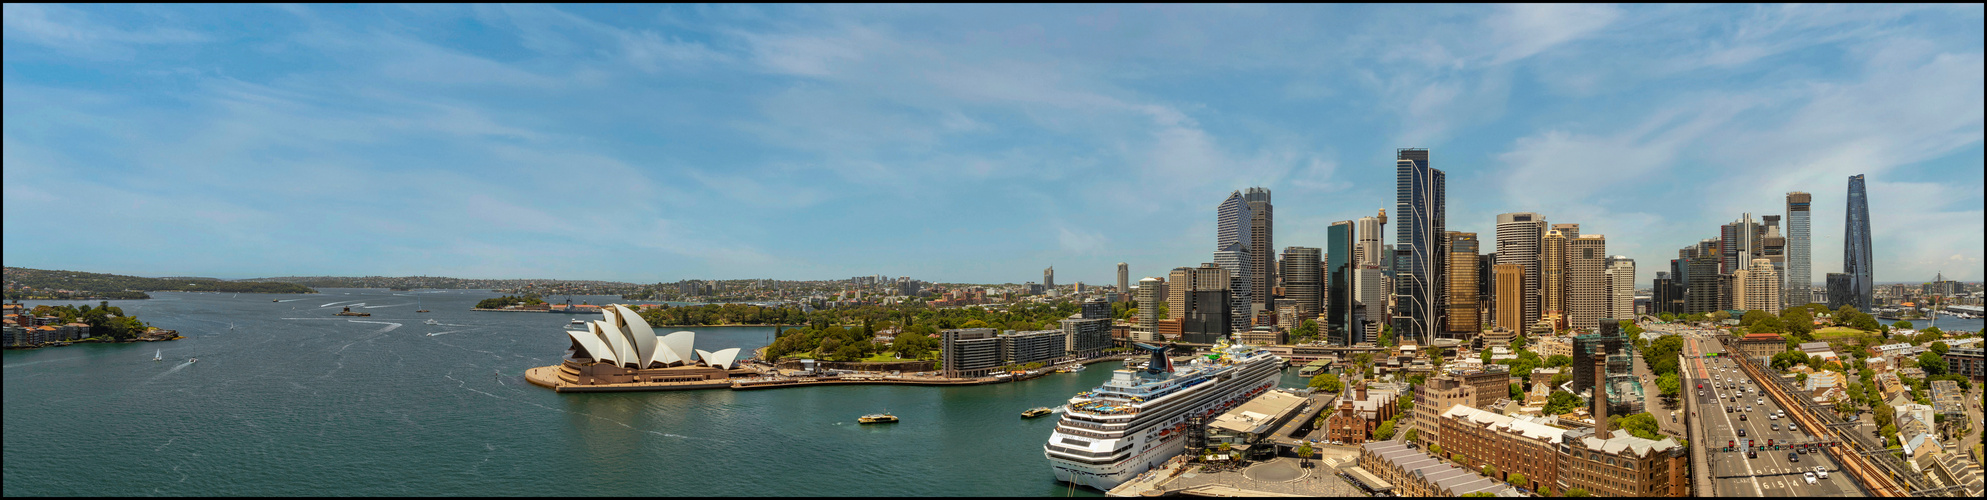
61,325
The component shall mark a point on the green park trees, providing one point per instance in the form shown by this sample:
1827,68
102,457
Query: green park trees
1327,382
1561,402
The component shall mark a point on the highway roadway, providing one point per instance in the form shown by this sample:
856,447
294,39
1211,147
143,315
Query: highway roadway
1771,473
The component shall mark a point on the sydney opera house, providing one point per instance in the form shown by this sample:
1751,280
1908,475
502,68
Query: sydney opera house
623,349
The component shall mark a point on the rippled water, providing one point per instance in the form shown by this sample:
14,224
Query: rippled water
295,401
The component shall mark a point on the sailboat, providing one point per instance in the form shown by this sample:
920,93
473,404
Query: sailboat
159,356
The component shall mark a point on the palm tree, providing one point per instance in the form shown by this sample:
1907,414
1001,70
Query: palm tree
1304,452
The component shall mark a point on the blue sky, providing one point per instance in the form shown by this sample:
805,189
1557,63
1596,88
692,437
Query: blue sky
954,143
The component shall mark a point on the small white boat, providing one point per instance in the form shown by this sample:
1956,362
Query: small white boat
1076,368
193,360
159,356
432,322
576,322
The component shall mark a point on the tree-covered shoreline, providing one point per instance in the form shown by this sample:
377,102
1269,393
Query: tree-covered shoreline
39,284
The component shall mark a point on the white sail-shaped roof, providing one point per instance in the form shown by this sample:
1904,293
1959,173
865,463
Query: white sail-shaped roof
588,342
724,358
638,331
624,351
609,353
678,346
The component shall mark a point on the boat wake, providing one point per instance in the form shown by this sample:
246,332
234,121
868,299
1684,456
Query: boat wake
336,303
389,325
42,361
291,300
388,305
443,333
182,366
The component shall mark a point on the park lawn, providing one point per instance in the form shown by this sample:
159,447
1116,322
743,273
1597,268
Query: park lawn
1839,331
885,357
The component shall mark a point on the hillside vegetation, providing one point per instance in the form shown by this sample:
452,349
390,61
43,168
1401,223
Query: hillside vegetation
37,283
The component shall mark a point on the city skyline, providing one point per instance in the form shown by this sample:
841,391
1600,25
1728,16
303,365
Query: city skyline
971,144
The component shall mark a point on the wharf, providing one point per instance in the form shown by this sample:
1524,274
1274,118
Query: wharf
746,385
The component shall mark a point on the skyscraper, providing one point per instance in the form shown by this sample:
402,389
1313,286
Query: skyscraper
1235,258
1372,234
1302,282
1800,251
1856,247
1773,243
1621,288
1180,292
1462,286
1701,286
1552,284
1151,292
1519,236
1420,205
1510,309
1339,273
1586,281
1233,224
1049,278
1124,284
1757,288
1262,226
1208,316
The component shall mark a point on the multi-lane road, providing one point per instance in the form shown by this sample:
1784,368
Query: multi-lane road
1727,394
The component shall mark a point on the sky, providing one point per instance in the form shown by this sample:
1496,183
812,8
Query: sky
955,143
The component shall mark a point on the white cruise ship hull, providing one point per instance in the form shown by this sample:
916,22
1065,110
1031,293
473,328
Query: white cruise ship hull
1148,449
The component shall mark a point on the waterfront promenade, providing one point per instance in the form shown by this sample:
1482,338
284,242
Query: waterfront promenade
770,378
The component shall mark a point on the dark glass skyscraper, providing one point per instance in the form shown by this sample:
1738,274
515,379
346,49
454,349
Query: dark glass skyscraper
1856,247
1421,256
1339,239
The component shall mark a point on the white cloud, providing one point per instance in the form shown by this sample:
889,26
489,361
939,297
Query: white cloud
1522,30
73,32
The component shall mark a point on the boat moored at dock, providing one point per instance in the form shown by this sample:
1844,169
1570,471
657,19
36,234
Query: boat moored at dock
1131,424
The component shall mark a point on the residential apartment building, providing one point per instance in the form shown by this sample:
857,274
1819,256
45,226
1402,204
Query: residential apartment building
1620,280
969,352
1757,288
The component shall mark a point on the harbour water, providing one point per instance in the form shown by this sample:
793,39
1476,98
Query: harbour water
294,401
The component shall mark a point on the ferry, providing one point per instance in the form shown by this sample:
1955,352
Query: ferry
1135,421
1036,412
878,418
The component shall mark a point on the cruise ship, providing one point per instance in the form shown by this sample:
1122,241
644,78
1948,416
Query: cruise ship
1138,419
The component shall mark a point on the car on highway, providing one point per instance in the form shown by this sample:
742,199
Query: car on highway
1742,417
1751,453
1792,457
1821,471
1742,433
1794,427
1776,427
1810,476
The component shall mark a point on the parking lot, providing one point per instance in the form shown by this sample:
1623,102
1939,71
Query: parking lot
1770,472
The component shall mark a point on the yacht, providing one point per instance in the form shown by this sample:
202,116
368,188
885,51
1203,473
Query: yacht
159,356
1137,420
576,322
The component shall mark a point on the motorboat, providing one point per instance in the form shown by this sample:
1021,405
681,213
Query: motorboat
878,418
431,321
1039,411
